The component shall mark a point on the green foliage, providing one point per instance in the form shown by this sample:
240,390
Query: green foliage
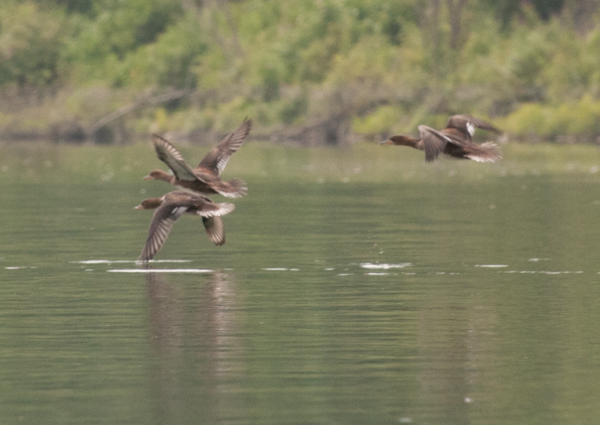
292,63
170,61
119,28
381,121
30,44
577,118
293,107
73,6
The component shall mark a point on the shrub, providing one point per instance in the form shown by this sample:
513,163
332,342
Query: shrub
30,44
577,118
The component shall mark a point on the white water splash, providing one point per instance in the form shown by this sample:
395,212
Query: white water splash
160,271
544,272
127,261
384,266
280,269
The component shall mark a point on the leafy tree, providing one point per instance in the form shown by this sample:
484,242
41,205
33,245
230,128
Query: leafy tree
30,43
85,7
118,28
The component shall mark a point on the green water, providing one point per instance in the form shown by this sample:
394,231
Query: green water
356,286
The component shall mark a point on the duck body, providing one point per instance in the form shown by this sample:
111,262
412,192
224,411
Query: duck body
455,140
206,178
172,206
202,182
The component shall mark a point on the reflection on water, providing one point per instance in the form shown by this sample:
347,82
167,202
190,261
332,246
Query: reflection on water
204,326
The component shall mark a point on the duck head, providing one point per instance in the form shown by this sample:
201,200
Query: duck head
149,204
159,175
399,140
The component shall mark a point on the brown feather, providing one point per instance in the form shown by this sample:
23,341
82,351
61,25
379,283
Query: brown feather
206,177
172,206
454,140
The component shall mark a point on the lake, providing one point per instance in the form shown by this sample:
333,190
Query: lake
356,286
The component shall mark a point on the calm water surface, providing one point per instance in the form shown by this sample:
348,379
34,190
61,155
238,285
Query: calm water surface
451,299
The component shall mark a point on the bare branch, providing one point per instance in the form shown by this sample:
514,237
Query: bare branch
143,103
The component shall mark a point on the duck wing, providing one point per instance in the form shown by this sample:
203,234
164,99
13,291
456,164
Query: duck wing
167,153
195,203
433,142
160,228
215,229
216,159
207,208
468,124
486,152
211,218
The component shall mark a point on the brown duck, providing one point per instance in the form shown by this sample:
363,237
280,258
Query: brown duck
455,140
172,206
206,178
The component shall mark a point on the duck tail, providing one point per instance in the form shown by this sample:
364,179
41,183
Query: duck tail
224,208
232,189
486,152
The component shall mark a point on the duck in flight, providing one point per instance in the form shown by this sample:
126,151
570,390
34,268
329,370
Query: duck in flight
172,206
206,178
455,140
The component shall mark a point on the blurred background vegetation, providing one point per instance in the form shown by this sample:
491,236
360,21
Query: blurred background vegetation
315,72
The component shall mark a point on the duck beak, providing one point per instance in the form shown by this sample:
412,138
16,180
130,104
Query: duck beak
387,142
138,207
148,177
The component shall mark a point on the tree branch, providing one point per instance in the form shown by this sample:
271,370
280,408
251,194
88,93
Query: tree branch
143,103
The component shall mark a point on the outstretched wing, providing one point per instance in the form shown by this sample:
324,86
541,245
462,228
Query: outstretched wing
167,153
433,141
160,227
216,159
215,229
211,218
468,124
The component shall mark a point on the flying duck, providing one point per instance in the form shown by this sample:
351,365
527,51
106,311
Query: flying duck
455,140
173,205
206,178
